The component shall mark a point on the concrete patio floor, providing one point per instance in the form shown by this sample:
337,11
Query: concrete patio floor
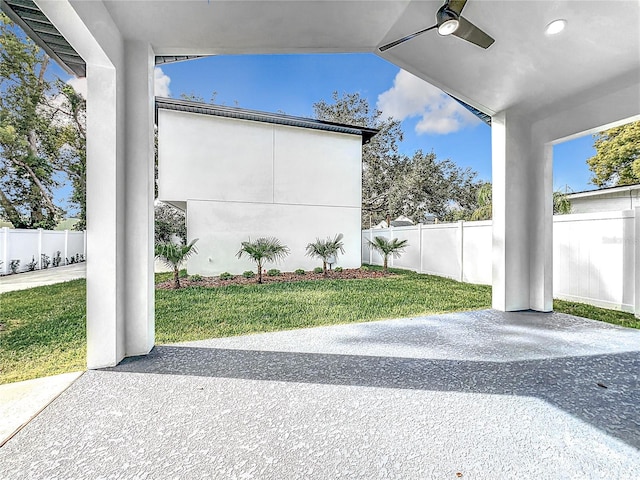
479,394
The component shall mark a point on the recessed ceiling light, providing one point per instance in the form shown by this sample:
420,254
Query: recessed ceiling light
555,27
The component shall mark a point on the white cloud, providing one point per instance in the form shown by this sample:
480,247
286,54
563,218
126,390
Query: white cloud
411,96
161,83
79,85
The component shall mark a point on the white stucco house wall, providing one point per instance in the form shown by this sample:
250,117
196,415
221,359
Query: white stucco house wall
606,199
241,174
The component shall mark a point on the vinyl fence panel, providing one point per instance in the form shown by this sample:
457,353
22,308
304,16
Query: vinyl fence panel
27,246
596,256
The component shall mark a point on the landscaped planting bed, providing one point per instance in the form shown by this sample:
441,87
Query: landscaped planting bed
346,274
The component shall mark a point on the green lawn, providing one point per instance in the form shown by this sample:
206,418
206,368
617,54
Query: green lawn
43,329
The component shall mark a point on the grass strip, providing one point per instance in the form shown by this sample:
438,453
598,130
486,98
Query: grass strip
43,329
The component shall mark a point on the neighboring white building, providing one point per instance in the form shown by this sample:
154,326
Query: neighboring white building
606,199
242,174
401,221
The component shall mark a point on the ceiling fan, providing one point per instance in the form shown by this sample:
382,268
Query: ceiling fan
449,21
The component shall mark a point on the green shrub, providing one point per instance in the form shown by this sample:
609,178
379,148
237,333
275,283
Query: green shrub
299,271
338,269
195,278
364,268
226,276
274,272
317,270
248,274
183,274
31,266
14,265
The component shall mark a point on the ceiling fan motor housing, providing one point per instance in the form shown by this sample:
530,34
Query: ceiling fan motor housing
447,20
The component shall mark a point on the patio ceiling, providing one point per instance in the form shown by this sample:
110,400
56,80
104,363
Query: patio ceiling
525,69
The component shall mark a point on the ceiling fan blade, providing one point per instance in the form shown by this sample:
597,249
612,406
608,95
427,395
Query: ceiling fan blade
456,5
469,32
404,39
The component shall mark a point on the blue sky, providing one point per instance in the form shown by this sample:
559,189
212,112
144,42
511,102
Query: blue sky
293,83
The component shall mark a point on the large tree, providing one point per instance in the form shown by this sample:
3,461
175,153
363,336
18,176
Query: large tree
70,109
42,135
617,158
425,185
27,139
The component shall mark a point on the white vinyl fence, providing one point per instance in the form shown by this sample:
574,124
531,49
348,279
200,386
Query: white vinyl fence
27,246
596,256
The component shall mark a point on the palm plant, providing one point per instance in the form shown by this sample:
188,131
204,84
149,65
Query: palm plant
263,249
174,256
385,248
483,196
326,249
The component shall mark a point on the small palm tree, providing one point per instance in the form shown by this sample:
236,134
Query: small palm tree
385,248
264,249
174,256
483,196
325,249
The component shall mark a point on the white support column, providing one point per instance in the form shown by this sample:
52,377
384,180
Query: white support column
105,218
139,186
522,221
89,28
541,227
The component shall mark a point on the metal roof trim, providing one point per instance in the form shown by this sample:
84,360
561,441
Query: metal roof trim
481,115
604,191
264,117
13,8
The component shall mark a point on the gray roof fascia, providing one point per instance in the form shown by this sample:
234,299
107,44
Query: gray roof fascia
24,13
605,190
28,16
264,117
162,59
481,115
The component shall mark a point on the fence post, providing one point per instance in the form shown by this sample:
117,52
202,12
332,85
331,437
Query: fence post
5,250
39,249
66,245
391,240
84,247
369,246
461,248
636,271
420,246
